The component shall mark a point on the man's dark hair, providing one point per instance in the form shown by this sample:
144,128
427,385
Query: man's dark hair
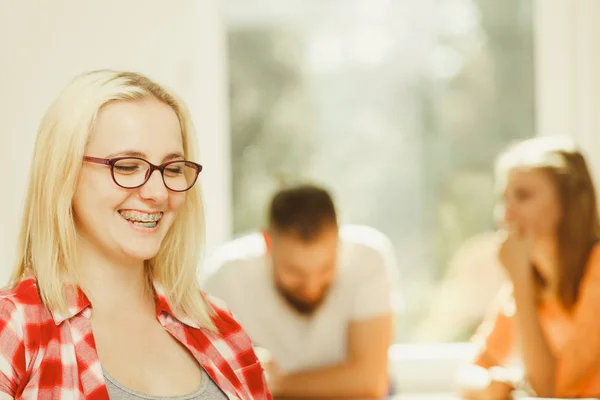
303,211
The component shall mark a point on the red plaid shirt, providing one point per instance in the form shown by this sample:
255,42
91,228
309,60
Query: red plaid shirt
45,355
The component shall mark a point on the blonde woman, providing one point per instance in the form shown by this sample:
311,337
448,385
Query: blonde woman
549,319
103,302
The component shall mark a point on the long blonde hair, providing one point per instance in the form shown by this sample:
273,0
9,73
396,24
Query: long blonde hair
579,227
47,245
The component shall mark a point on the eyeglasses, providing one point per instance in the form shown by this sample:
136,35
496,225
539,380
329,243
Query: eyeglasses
134,172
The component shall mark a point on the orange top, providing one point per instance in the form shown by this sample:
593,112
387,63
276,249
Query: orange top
573,337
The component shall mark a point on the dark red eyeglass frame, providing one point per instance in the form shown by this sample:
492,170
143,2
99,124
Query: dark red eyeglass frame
111,163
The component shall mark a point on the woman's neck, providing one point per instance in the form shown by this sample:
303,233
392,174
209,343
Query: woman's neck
546,259
114,285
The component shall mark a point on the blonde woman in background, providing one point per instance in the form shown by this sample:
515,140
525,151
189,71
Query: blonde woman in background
548,317
103,301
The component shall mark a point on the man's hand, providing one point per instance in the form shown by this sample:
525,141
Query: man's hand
496,383
270,367
263,355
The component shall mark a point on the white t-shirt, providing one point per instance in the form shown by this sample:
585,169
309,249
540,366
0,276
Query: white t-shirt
240,274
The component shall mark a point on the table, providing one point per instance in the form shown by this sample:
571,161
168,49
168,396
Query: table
425,396
407,396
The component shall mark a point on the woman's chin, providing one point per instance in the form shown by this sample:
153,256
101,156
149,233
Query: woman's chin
140,254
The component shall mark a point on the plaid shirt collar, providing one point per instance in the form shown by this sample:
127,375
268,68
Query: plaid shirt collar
78,302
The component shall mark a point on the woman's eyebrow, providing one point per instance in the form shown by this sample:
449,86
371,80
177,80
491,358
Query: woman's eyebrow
133,153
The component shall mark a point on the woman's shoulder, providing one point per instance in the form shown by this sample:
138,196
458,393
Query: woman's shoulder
227,324
591,277
24,293
222,315
230,331
21,310
9,308
21,304
594,256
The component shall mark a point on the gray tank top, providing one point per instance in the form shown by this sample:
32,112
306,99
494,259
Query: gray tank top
208,390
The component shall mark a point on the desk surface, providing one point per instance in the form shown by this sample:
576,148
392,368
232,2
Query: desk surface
425,396
442,396
412,396
448,396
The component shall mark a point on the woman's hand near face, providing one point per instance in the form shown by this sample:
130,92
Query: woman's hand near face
514,254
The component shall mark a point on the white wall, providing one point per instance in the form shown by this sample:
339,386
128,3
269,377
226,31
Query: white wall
43,44
568,72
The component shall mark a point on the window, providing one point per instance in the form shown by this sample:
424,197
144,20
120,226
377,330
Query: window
399,107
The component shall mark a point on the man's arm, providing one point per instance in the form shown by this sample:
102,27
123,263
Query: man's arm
363,375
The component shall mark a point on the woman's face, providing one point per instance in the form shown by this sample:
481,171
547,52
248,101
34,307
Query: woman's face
128,225
531,202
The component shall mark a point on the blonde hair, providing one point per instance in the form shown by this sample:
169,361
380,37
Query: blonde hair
47,245
579,228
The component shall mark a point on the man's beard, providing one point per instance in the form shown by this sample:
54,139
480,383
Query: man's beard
301,306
